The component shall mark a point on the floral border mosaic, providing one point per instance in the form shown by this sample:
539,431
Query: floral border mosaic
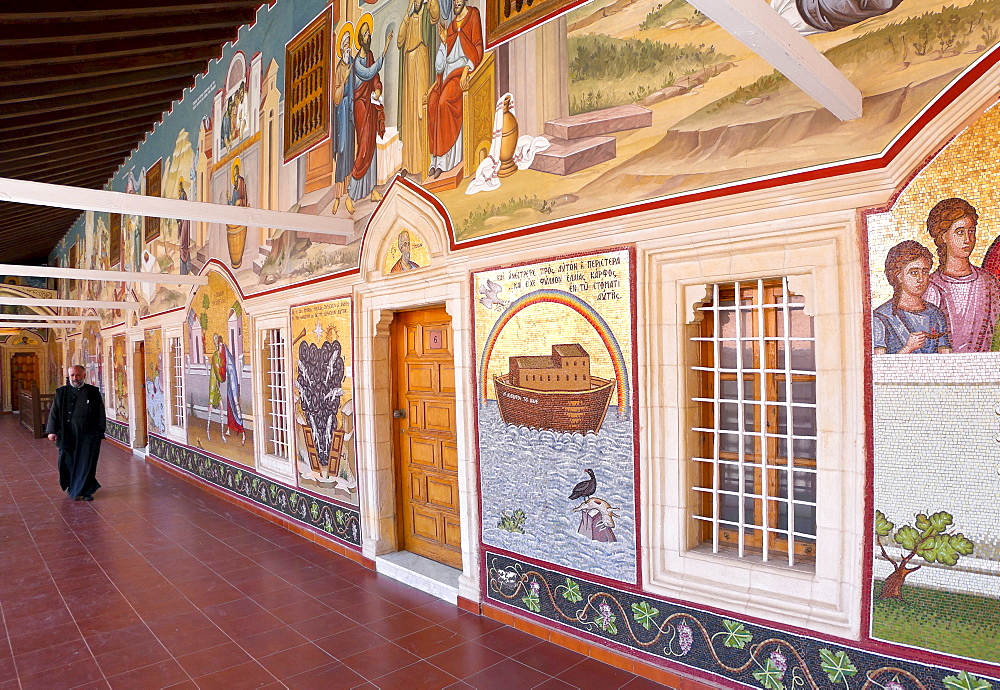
339,522
723,646
117,431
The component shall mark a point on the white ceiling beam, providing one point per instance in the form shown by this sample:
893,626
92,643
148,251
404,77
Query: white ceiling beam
760,28
28,324
87,274
43,317
80,303
61,196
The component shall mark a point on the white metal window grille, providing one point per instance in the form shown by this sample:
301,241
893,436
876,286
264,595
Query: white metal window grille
177,368
755,459
277,393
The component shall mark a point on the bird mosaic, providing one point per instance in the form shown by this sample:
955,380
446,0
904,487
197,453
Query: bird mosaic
597,516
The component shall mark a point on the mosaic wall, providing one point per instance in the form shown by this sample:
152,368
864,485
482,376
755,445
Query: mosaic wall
724,646
156,411
119,375
91,355
54,354
323,371
935,292
340,523
217,378
119,432
669,100
555,415
407,252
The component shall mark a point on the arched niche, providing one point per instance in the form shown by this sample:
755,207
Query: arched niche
404,209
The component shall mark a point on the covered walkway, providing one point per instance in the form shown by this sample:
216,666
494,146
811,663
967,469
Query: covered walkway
157,584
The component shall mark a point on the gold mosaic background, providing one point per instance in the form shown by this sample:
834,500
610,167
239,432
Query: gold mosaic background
965,168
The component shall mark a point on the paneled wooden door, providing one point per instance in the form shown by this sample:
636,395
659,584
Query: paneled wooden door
23,374
139,394
426,447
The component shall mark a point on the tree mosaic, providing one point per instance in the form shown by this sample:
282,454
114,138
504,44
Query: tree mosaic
934,258
324,399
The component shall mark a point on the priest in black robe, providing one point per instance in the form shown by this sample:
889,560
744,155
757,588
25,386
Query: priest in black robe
76,424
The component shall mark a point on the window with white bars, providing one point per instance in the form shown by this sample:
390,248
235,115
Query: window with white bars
276,410
755,456
177,379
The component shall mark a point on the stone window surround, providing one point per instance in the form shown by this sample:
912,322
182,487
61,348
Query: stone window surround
269,465
815,258
170,333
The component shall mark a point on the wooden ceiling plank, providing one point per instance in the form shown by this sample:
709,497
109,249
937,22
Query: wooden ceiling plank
29,138
48,72
69,158
90,142
88,177
121,49
165,91
102,8
106,113
121,79
93,176
33,32
12,213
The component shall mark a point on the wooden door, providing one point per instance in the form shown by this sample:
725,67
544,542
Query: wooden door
424,427
139,394
23,374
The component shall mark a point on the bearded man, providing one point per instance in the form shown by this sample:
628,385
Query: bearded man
369,113
76,425
459,54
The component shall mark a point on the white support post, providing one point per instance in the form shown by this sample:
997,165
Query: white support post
760,28
34,324
61,196
45,317
79,303
88,274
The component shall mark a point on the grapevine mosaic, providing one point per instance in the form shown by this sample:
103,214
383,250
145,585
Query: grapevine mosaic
343,524
721,645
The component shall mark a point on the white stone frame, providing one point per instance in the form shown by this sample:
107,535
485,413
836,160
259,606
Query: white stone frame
110,401
132,377
375,302
7,350
822,264
276,467
176,432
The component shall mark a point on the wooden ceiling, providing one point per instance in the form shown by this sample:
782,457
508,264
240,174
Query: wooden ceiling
81,83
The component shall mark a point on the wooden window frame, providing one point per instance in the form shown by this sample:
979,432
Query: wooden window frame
308,65
743,515
115,239
153,187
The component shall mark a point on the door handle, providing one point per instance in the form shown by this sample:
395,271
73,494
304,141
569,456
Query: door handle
399,414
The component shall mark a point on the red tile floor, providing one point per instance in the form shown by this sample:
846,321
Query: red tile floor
158,584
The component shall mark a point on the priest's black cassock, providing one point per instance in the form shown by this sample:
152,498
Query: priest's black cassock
77,418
